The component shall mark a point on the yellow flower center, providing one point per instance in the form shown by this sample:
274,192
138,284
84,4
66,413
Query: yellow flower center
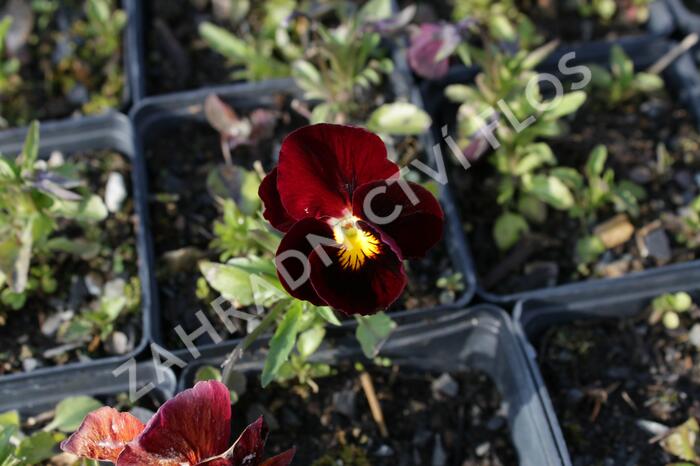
356,245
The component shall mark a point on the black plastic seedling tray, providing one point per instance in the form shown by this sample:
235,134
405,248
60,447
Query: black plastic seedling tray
42,394
681,77
158,115
532,317
109,131
480,338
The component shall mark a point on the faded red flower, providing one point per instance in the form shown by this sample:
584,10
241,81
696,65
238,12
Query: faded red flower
431,47
191,429
349,220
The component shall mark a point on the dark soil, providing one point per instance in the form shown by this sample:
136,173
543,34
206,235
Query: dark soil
55,82
320,425
183,212
176,57
648,373
21,337
631,132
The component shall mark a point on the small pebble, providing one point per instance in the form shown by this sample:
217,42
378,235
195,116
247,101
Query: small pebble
694,336
445,385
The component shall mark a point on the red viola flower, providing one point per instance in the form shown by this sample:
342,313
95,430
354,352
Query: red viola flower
349,220
191,429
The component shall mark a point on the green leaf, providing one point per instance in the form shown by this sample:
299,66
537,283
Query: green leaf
38,447
682,441
596,161
569,176
6,447
508,229
399,118
233,280
71,412
588,249
372,331
328,315
537,154
282,343
648,82
225,43
532,208
551,190
600,77
91,209
461,93
501,28
205,373
308,78
9,418
536,57
568,104
621,65
30,151
681,302
375,10
79,247
310,340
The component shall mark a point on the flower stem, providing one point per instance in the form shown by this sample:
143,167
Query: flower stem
237,352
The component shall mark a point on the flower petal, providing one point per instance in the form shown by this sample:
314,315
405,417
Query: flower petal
103,435
248,449
188,429
275,213
321,165
428,54
416,229
292,261
372,287
283,459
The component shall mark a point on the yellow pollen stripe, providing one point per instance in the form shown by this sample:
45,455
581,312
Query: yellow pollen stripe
356,245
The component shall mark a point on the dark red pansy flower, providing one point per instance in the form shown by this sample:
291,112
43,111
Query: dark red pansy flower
191,429
349,220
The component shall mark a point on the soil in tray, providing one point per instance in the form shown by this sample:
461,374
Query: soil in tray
632,133
183,212
60,72
611,380
176,56
466,428
29,337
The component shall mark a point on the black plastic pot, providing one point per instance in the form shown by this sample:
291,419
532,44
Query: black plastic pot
42,394
109,131
480,338
157,115
682,79
134,49
599,301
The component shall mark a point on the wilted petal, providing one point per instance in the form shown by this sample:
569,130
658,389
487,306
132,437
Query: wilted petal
292,258
274,212
186,430
321,165
103,435
365,290
431,46
416,228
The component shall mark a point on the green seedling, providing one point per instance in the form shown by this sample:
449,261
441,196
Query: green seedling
622,83
667,308
33,198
